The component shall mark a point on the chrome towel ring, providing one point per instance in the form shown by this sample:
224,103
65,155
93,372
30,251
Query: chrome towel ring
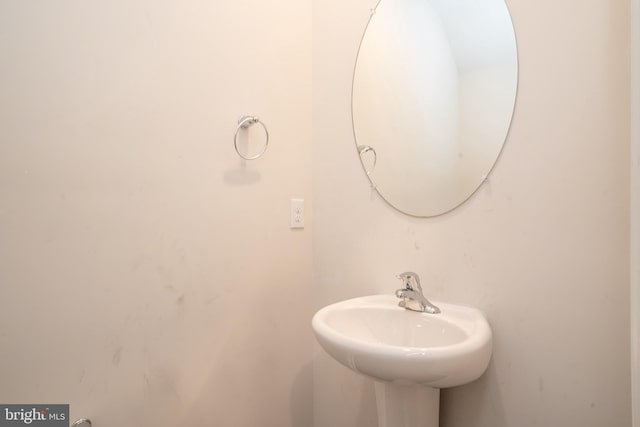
245,122
82,422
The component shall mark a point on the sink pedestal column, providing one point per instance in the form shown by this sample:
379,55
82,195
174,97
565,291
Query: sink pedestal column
407,405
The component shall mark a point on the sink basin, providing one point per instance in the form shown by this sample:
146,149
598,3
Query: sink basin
374,337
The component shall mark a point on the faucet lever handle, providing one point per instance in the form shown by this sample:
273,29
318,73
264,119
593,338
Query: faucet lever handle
409,276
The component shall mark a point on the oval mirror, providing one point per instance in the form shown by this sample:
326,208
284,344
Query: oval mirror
434,89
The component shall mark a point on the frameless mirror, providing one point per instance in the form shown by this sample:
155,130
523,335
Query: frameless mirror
434,89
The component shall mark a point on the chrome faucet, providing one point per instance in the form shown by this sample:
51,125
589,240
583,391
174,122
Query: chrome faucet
411,294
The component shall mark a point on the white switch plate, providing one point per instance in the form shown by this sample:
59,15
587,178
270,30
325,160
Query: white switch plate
297,213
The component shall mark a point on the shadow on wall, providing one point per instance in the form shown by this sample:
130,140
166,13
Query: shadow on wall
367,412
241,176
474,396
301,401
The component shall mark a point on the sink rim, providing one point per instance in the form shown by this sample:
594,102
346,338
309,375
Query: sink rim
435,366
473,329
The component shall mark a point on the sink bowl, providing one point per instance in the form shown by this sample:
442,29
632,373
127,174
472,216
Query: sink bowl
374,337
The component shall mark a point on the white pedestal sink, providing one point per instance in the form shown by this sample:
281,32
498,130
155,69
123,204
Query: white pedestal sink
410,355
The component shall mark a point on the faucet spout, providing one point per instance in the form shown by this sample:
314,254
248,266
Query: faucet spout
411,295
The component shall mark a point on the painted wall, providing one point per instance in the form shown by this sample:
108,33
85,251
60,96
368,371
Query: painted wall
635,210
148,276
542,248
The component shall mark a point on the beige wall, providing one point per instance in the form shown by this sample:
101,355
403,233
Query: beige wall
148,276
542,248
635,208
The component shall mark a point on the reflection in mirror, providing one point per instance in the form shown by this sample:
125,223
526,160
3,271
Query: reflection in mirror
433,94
